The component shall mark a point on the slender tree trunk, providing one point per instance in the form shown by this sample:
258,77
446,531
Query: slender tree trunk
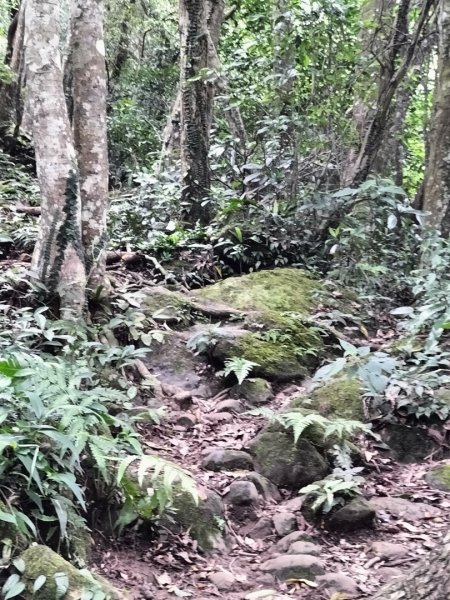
392,74
284,69
436,198
429,580
89,125
58,258
11,104
197,97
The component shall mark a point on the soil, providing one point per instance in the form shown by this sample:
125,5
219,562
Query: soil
163,565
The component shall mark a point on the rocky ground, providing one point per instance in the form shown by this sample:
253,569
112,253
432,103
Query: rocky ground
251,536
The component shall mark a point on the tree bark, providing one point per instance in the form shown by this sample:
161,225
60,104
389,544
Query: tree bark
436,196
197,96
391,76
429,580
58,258
90,136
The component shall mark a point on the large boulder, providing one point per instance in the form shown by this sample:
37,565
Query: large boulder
276,334
42,561
286,464
281,290
408,444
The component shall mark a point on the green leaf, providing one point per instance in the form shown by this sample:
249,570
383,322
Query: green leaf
62,584
39,582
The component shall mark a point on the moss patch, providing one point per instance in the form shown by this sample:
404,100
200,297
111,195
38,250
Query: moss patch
41,560
289,290
339,398
284,463
439,478
160,302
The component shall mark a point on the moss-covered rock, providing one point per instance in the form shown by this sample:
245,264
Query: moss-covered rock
256,391
284,463
339,398
439,477
41,560
164,305
278,354
280,290
204,521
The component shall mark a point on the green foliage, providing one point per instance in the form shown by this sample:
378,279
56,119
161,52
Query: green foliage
238,366
329,493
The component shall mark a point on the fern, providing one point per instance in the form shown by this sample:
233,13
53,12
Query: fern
329,493
241,367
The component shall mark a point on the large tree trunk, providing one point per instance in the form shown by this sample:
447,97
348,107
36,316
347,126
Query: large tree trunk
89,125
58,258
436,198
429,580
197,97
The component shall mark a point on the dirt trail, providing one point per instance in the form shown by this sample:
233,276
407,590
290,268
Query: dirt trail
171,566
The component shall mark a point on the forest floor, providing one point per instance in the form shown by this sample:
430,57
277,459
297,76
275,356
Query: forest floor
171,566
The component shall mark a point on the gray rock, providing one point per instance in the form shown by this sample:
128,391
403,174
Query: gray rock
266,488
222,417
284,523
221,459
242,493
304,548
223,580
287,464
186,420
294,504
260,530
285,543
231,406
256,391
338,583
294,566
387,573
404,509
357,514
439,477
388,550
408,444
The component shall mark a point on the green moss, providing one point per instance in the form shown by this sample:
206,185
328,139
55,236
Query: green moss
289,290
41,560
339,398
439,477
160,302
255,390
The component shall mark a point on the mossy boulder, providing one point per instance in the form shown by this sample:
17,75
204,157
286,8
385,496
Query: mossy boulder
162,304
41,560
439,477
256,391
339,398
286,464
280,290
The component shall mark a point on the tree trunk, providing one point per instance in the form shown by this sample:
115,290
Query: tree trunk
11,104
436,198
429,580
58,258
89,125
197,96
391,76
